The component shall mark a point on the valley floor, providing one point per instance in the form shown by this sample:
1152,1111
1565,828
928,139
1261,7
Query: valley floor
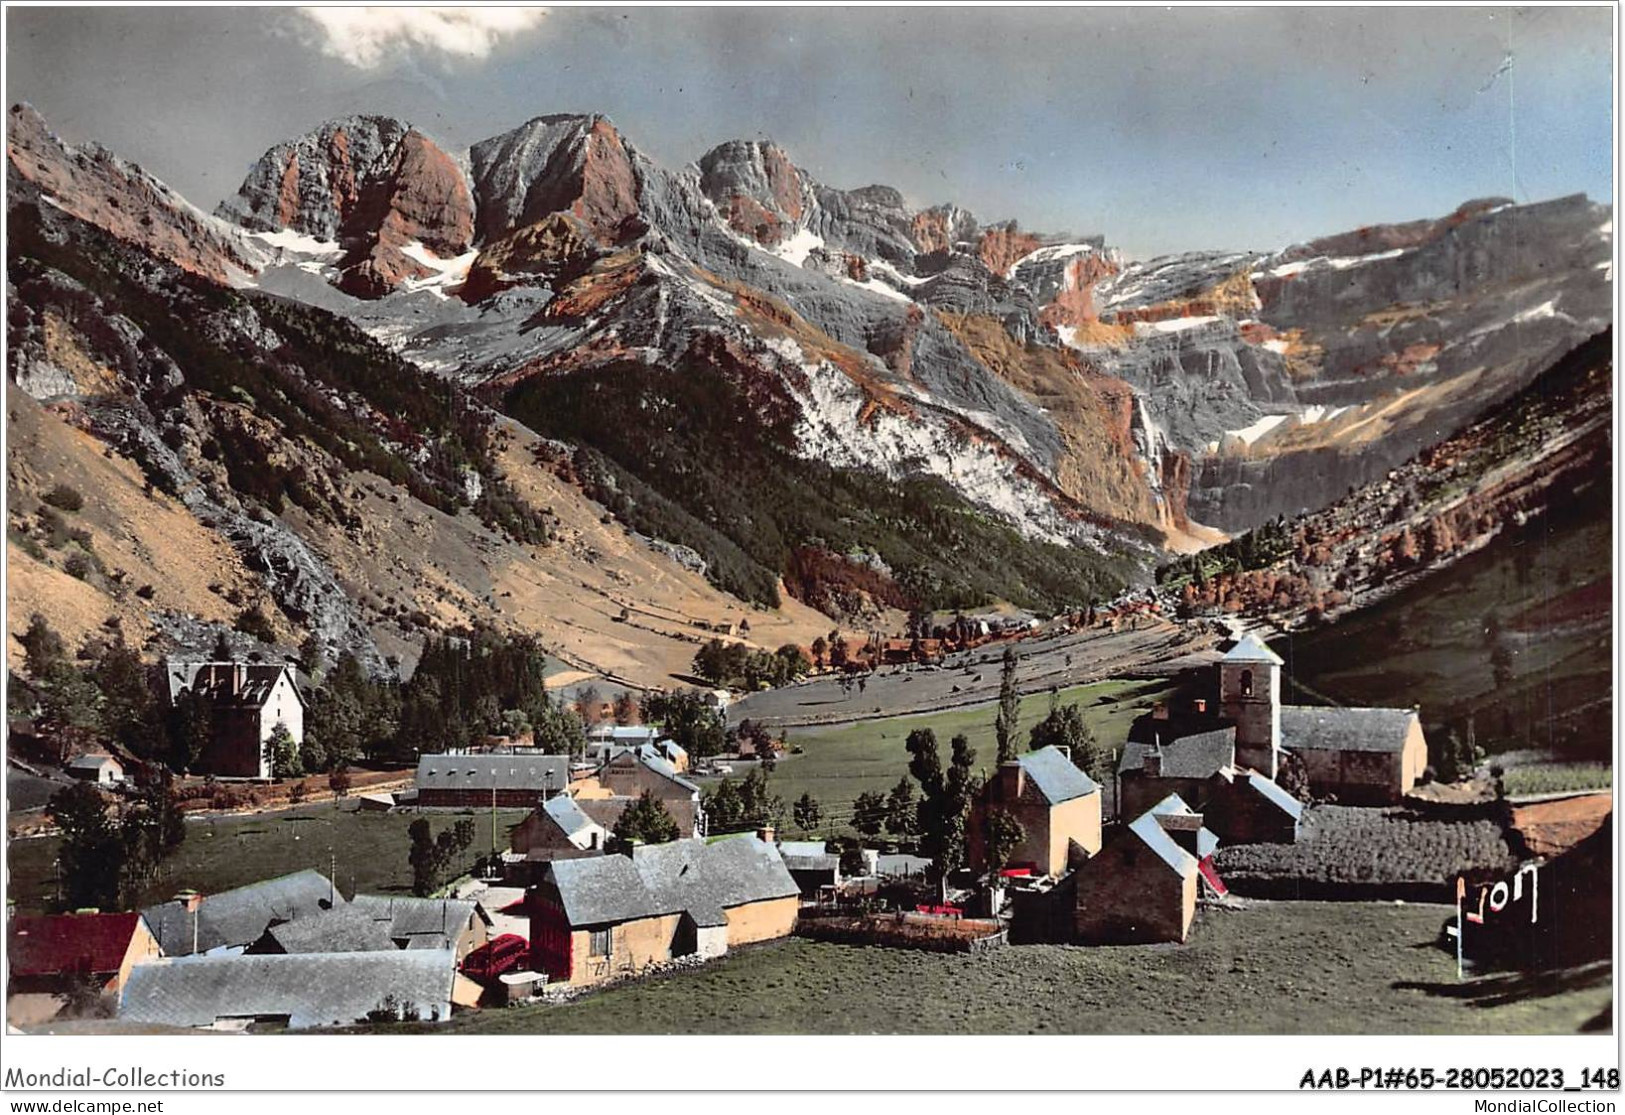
1261,967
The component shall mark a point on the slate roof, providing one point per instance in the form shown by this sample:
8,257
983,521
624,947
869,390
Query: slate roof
1271,791
312,989
92,762
410,920
1055,776
823,862
1151,833
69,943
1197,756
660,752
346,929
700,877
684,875
236,918
487,772
565,813
219,681
1252,649
1345,729
660,766
601,889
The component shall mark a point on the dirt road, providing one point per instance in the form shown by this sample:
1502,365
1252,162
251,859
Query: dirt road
970,678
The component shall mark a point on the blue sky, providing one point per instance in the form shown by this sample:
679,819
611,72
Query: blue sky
1163,129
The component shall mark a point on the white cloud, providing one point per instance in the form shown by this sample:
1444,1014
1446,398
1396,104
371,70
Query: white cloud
368,37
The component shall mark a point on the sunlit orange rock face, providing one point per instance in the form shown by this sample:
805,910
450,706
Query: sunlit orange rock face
1074,304
421,198
371,184
999,248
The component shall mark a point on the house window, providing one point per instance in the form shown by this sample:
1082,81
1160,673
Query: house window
1246,683
602,943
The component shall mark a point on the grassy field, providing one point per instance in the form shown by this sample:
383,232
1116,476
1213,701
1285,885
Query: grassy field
367,851
1327,968
837,764
1427,645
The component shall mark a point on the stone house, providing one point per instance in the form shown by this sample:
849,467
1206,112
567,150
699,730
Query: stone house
1187,765
605,794
1241,806
1362,756
598,918
1056,804
558,829
248,700
1142,886
480,781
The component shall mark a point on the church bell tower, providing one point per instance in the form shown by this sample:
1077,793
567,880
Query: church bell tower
1250,697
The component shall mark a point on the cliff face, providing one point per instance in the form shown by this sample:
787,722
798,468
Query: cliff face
1079,397
388,197
97,186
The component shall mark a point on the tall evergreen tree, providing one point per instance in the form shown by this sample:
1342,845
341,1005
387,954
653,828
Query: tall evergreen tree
1006,724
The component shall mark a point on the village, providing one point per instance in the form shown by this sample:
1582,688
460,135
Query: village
625,839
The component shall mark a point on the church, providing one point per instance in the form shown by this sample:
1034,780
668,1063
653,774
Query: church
1228,760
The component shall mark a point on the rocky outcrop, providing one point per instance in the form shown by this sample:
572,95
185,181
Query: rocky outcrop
1002,246
95,185
756,188
382,191
557,164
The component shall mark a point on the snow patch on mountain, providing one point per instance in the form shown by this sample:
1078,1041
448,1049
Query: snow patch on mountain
798,247
448,274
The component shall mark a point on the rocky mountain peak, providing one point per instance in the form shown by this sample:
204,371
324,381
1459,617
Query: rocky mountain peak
756,189
578,164
376,186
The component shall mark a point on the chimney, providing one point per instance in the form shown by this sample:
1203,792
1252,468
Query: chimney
1159,711
765,834
191,899
1184,828
239,677
1199,706
1012,780
1151,763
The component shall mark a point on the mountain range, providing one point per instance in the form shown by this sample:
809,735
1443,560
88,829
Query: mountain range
547,381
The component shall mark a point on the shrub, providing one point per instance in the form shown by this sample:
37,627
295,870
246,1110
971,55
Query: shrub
64,497
253,623
78,565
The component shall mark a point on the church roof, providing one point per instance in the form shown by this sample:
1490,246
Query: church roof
1345,729
1195,756
1252,649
